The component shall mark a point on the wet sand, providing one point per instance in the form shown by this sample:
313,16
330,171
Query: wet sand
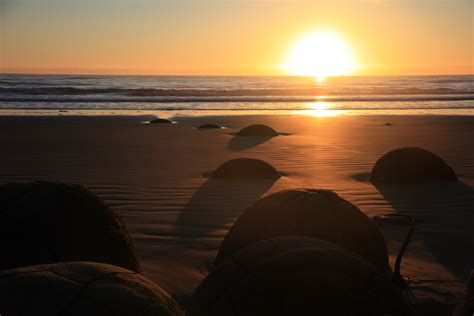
156,177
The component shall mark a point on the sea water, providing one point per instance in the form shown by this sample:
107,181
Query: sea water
203,95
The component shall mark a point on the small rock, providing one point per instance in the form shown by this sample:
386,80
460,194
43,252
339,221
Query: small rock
161,121
209,126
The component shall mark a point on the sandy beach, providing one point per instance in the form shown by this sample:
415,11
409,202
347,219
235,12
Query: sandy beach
156,177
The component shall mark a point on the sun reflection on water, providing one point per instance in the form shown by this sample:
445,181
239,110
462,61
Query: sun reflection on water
320,109
320,81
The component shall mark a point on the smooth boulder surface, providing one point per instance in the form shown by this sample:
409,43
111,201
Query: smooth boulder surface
466,306
313,213
245,168
209,126
46,222
411,165
257,130
81,288
161,121
296,276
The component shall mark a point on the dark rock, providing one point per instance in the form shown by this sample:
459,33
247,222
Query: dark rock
257,130
245,168
313,213
208,126
411,165
296,276
46,222
466,306
161,121
81,288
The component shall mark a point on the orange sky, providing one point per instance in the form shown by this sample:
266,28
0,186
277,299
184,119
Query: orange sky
241,37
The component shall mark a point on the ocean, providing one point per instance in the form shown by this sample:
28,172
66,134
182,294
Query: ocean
203,95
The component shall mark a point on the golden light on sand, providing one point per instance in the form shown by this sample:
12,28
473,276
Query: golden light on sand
320,54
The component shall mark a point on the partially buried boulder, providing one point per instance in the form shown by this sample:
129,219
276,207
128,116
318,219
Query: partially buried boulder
245,168
296,276
160,121
411,165
81,288
257,130
313,213
209,126
47,222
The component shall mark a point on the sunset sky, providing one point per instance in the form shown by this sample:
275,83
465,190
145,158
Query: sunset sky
218,37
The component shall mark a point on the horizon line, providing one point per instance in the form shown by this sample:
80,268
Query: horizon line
223,75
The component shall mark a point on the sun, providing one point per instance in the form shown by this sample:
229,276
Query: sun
320,54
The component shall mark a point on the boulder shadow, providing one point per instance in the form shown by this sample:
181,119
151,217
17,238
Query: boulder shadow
444,212
362,177
217,203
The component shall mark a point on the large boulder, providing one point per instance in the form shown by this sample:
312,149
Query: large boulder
81,288
257,130
47,222
296,276
466,306
313,213
245,168
411,165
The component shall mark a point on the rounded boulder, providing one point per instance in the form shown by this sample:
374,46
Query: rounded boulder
209,126
257,130
315,213
161,121
296,276
81,288
245,168
46,222
411,165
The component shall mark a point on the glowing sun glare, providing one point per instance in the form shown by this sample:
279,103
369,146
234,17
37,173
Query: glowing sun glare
321,109
320,54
